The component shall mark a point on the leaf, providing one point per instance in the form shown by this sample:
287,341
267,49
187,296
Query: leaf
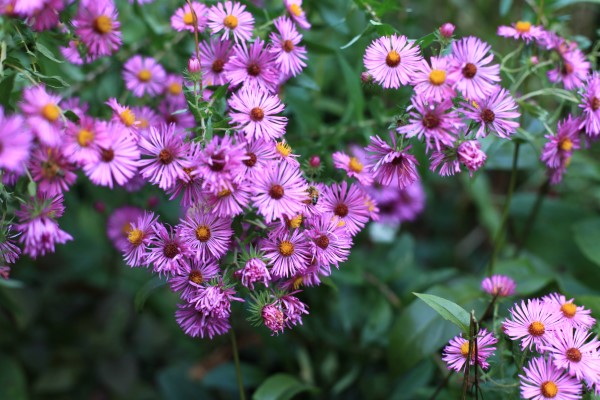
47,53
145,291
12,380
505,7
281,387
31,188
71,116
354,91
356,38
448,310
565,3
426,40
587,237
6,87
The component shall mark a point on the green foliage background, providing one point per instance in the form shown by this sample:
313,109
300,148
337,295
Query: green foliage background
80,324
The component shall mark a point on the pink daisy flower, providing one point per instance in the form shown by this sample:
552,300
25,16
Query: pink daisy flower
390,166
190,278
255,270
457,351
51,170
83,139
118,160
9,252
168,252
279,191
217,164
215,301
347,203
574,68
432,83
393,61
559,148
98,27
590,120
252,66
119,225
145,118
293,309
288,254
230,202
272,317
437,123
167,152
205,234
195,324
571,314
446,159
47,17
470,70
288,55
125,117
184,20
572,352
15,142
214,55
254,112
139,236
498,285
496,113
71,52
259,155
353,166
521,30
470,154
284,153
143,75
532,323
26,8
233,19
294,7
43,115
542,380
330,243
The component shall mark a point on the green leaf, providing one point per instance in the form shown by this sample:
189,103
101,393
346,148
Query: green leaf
505,7
426,40
71,116
587,237
281,387
47,53
356,38
12,379
145,291
448,310
354,91
31,188
6,87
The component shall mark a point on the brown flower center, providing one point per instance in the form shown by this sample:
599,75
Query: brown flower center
251,161
322,241
469,70
50,169
102,24
567,68
536,329
573,354
253,69
276,192
392,59
288,46
170,250
431,121
107,155
286,248
203,233
595,103
196,277
488,116
218,163
218,65
165,156
341,210
257,114
549,389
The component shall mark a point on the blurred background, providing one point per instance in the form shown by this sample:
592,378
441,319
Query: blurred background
79,324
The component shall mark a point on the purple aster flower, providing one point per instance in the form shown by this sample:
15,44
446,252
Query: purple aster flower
118,161
279,191
521,30
47,17
393,61
71,52
353,166
590,120
42,112
230,202
9,252
194,323
119,225
283,153
572,315
294,7
293,309
15,142
125,117
173,88
217,164
170,110
215,301
432,83
572,352
255,270
252,66
498,285
574,68
437,123
98,27
398,205
532,323
51,170
167,152
213,57
184,20
457,351
205,234
254,112
259,155
542,380
288,254
145,118
38,227
83,139
330,243
470,154
167,252
559,148
446,159
288,55
273,317
390,166
143,75
346,202
496,113
233,19
25,8
139,236
470,71
189,279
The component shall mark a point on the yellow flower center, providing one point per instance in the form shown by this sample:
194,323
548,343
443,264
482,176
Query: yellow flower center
392,59
286,248
355,165
103,24
297,283
188,18
569,310
224,193
437,77
230,22
464,349
135,237
523,26
549,389
296,222
85,137
144,75
296,10
175,88
143,123
283,148
51,112
203,233
566,144
127,117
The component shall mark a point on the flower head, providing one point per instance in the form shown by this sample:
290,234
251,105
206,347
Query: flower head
214,55
457,351
143,75
167,252
389,166
470,154
330,243
98,27
495,113
195,323
119,225
217,164
51,170
192,276
524,30
572,352
206,235
15,142
432,83
571,314
232,19
288,55
254,112
393,61
255,270
573,69
347,203
295,10
288,254
559,148
498,285
471,72
253,66
139,236
43,114
354,166
83,139
590,120
532,322
183,19
543,380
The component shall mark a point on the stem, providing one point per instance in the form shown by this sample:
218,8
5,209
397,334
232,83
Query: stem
511,188
238,371
542,192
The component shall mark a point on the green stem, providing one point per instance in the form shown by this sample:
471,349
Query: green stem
511,188
542,192
236,359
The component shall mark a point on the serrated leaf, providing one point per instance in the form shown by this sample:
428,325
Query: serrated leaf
281,387
145,291
448,310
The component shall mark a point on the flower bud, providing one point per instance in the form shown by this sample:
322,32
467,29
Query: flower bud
194,69
471,155
272,317
315,161
447,30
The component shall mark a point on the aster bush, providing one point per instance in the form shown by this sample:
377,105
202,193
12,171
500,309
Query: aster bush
220,199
